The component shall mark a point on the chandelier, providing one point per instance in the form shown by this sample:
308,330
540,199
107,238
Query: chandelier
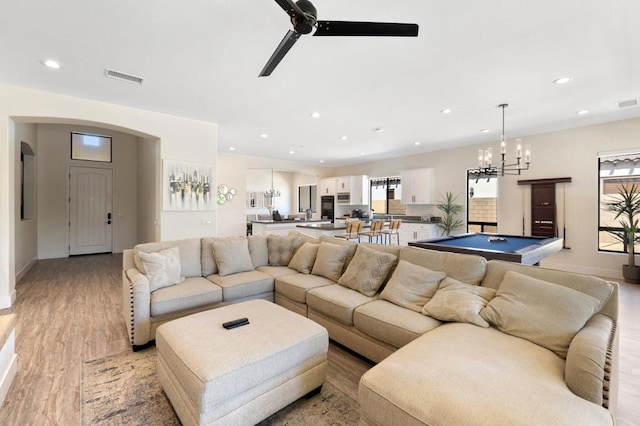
487,169
272,192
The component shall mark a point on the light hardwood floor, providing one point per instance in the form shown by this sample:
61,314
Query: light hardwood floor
69,311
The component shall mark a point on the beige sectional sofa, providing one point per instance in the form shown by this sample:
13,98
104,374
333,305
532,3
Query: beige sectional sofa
458,340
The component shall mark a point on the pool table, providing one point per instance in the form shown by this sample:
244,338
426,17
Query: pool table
512,248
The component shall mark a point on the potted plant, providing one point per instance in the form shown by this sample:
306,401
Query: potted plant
450,221
626,206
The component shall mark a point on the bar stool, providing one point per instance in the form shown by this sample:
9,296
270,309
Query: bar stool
375,230
353,231
394,226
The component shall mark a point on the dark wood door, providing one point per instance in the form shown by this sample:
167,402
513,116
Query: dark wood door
543,210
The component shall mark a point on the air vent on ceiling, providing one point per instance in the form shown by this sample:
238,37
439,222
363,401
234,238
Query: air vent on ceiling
627,104
122,76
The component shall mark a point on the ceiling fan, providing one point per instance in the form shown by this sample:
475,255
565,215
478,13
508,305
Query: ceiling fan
303,17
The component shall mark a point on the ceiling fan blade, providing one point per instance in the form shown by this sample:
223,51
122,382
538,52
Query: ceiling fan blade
367,29
287,42
291,8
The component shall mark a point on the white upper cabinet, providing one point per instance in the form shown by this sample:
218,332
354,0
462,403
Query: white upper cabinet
418,186
328,186
358,188
344,183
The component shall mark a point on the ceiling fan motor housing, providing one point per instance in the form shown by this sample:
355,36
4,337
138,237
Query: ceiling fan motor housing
304,25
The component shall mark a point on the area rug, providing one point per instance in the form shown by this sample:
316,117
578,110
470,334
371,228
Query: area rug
123,389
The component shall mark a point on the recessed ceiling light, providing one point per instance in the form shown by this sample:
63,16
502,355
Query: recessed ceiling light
416,143
264,135
562,80
362,153
485,131
292,152
379,130
231,148
315,114
582,112
344,138
322,161
52,64
446,111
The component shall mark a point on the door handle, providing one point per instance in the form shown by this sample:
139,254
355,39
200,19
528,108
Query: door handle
109,218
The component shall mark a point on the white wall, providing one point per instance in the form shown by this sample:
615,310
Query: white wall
568,153
26,230
149,179
180,139
53,168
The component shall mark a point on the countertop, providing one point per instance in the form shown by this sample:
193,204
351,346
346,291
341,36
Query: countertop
288,221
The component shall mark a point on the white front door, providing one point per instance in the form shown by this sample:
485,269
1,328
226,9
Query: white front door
90,215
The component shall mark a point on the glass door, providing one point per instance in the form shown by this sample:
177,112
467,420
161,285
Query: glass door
482,203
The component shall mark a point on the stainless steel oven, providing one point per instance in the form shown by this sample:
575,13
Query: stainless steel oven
343,198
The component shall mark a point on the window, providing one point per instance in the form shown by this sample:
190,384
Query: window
90,147
386,194
482,203
615,171
307,195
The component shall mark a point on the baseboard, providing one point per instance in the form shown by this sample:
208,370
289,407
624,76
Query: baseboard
21,273
8,301
8,366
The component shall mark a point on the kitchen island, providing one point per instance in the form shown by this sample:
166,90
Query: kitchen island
281,227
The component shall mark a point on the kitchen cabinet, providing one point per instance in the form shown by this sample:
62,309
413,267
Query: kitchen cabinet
359,189
343,184
417,231
418,186
328,186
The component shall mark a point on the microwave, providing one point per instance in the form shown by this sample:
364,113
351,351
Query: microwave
343,197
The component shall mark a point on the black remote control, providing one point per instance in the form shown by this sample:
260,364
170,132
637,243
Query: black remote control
235,323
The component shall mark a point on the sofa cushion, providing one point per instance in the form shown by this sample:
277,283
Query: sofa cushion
282,248
460,374
295,287
467,268
391,323
232,255
304,237
190,254
591,285
277,271
207,261
336,302
411,286
190,293
162,268
330,261
259,250
588,360
368,270
341,242
304,258
544,313
459,302
242,284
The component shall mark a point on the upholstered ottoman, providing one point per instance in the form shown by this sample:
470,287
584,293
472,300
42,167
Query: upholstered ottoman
239,376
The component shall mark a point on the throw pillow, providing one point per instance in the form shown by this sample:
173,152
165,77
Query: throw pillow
339,241
330,261
304,258
367,270
232,255
259,250
544,313
411,286
162,268
282,248
304,237
459,302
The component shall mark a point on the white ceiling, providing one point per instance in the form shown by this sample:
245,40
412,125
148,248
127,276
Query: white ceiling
201,59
